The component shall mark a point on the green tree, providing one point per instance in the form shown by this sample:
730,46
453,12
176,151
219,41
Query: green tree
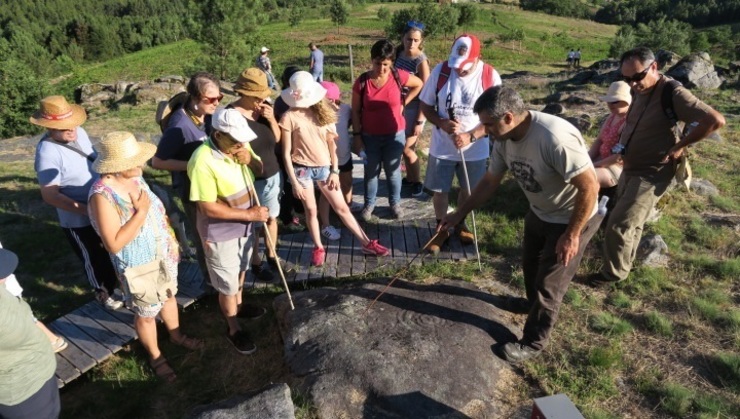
227,34
468,14
384,13
20,93
295,17
339,12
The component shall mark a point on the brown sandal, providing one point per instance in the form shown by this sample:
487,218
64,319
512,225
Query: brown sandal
163,370
189,343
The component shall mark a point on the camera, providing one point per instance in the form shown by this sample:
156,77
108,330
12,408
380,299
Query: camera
618,149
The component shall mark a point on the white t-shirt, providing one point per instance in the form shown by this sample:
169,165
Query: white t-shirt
459,93
543,163
344,140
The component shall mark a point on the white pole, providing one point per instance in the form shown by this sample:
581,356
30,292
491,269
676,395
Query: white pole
472,213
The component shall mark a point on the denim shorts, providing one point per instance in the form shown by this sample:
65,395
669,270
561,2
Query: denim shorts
268,191
440,173
306,175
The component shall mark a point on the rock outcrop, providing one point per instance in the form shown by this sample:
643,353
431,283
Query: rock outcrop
272,402
696,71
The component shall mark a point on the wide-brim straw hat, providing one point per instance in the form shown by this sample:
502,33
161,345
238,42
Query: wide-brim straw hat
304,91
619,91
119,151
56,113
253,82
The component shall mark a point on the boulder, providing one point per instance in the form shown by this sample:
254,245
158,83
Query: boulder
95,94
608,64
271,402
653,251
171,79
421,351
696,71
584,76
704,187
666,59
734,66
554,109
153,93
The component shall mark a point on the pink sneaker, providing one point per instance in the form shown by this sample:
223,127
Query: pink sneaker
375,248
317,257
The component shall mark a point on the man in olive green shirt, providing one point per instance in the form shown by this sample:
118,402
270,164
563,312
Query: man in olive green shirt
28,388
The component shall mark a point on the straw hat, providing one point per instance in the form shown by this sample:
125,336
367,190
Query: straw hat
618,91
56,113
252,82
304,91
119,151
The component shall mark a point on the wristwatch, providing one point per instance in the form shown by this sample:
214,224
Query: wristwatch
334,171
472,137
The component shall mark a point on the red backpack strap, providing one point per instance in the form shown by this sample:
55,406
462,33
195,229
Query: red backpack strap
444,75
487,76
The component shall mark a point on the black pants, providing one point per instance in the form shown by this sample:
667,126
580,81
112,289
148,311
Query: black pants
546,280
44,404
96,260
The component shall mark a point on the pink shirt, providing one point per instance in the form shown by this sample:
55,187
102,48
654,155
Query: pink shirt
609,134
309,141
382,110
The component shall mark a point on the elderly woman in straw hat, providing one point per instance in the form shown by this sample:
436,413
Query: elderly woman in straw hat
309,150
134,229
609,165
255,106
63,165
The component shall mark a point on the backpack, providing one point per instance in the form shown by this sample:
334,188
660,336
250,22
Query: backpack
363,86
444,76
166,107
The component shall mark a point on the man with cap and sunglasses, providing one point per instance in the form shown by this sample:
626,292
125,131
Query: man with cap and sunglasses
63,165
447,101
650,146
28,388
221,173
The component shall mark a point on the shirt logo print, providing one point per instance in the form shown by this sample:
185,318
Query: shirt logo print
524,175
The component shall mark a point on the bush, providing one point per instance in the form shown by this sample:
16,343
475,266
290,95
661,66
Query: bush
384,13
439,20
20,93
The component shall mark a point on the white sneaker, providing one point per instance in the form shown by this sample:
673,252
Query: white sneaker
112,305
331,233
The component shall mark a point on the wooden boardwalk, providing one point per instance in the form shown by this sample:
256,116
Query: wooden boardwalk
95,334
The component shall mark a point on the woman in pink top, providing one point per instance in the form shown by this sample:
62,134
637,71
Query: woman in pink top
609,165
309,149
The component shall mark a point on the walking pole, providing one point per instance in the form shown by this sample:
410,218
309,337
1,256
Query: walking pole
403,270
472,213
270,242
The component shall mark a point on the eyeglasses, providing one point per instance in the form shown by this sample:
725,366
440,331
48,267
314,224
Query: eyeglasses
639,76
412,24
212,100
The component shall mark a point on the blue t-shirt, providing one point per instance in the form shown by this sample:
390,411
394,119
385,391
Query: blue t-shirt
179,142
318,61
73,173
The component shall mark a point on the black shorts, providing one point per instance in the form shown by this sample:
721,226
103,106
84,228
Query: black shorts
346,167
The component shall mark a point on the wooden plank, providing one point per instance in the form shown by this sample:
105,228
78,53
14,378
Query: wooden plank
125,315
424,234
344,258
65,372
456,248
80,336
371,262
358,258
332,255
124,330
303,259
399,243
294,254
445,252
411,237
76,356
384,237
97,334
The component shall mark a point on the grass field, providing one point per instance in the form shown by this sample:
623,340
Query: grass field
665,343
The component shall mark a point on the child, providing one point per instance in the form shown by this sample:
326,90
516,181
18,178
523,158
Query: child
309,149
344,157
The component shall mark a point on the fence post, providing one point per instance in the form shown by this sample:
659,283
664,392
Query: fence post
351,64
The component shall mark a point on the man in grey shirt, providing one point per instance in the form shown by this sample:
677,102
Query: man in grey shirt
316,67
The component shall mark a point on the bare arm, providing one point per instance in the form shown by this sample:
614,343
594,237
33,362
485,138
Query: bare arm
52,195
220,211
414,84
298,190
479,195
169,164
431,115
114,235
706,125
613,159
588,191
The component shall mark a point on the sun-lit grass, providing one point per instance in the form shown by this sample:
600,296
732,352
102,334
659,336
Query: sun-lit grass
659,323
610,325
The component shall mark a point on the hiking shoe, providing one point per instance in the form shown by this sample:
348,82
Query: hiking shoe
331,233
317,257
263,273
466,237
596,280
287,267
518,352
518,305
241,342
397,211
436,245
375,248
367,214
59,345
417,189
251,312
106,301
355,207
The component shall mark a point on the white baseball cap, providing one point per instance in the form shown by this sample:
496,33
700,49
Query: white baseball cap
264,49
465,51
230,121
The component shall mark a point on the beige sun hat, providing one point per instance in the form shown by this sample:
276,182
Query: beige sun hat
56,113
618,91
253,82
304,91
119,151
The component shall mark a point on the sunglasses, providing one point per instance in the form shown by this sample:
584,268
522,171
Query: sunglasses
639,76
212,100
412,24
